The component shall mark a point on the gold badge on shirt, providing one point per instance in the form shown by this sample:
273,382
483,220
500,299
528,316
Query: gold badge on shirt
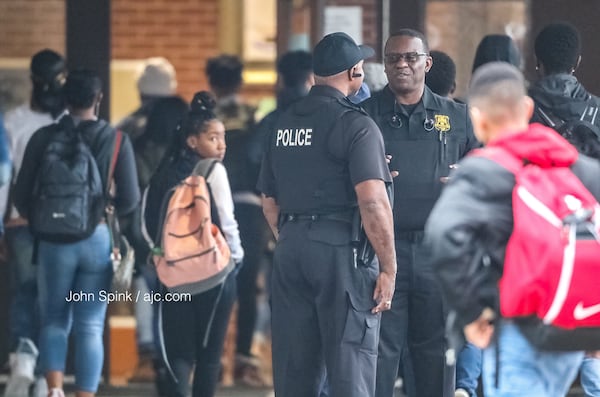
442,123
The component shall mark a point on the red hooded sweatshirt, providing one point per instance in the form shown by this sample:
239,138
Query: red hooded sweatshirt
539,145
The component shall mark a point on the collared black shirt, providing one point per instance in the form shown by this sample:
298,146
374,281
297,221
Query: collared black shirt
423,146
320,148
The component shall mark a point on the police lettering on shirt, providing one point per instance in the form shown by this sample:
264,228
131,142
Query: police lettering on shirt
294,137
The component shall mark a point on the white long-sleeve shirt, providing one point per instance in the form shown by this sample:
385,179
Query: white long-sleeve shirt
221,193
20,124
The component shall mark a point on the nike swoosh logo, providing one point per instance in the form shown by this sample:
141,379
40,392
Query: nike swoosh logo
581,313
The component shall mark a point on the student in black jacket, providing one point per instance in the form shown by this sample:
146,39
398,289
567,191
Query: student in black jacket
560,98
558,95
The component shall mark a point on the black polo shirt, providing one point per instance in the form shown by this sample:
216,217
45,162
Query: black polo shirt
424,144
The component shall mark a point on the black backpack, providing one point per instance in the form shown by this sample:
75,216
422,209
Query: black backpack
68,196
581,133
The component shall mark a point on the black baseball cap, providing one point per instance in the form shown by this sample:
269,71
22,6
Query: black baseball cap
337,52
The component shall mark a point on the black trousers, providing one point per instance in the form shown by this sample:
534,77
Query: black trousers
184,326
413,331
321,313
255,235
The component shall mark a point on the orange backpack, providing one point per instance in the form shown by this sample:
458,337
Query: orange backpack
191,254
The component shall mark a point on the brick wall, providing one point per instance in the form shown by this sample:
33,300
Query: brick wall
183,31
27,26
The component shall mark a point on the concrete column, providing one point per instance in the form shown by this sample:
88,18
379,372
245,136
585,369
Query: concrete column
88,41
407,14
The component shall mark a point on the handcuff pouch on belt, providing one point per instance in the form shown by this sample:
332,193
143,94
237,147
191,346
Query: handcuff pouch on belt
363,251
361,246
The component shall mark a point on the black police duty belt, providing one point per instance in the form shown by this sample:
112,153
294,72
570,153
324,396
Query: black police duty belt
345,216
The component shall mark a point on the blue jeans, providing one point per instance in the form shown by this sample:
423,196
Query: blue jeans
73,281
24,309
468,368
590,376
524,370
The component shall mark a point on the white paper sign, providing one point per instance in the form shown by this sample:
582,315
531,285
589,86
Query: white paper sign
344,19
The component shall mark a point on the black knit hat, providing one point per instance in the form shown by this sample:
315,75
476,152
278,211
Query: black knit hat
46,66
337,52
497,48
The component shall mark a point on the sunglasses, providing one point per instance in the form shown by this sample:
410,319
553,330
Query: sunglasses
409,57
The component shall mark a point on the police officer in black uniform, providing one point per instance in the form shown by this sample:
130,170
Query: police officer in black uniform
426,135
324,162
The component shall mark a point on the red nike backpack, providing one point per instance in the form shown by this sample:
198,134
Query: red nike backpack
551,280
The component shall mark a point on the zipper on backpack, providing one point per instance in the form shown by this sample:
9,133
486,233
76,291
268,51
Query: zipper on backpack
200,230
205,252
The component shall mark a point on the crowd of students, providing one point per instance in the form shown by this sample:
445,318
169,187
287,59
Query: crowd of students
166,137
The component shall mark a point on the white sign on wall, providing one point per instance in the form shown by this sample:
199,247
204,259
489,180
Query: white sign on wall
260,30
347,19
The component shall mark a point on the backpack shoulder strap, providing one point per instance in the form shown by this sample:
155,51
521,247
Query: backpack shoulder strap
205,167
591,117
501,156
143,227
590,114
163,211
111,217
113,162
549,118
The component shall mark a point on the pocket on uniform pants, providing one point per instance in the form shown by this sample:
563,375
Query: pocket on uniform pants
362,326
357,363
